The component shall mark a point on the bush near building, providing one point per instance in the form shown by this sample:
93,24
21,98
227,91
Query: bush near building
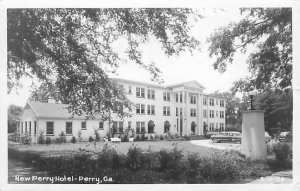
141,166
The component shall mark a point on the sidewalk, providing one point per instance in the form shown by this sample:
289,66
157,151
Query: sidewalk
283,177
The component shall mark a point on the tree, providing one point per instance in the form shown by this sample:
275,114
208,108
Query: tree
72,50
13,116
278,107
270,31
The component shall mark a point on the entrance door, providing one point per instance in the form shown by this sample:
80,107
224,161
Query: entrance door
181,123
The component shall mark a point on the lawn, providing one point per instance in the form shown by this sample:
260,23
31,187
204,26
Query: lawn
69,148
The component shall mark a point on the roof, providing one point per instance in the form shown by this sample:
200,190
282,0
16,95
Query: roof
52,110
137,82
188,83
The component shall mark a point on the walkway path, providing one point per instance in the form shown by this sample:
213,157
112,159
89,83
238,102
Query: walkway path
283,177
223,146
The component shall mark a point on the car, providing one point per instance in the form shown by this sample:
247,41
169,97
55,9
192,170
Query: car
268,137
233,137
226,136
283,135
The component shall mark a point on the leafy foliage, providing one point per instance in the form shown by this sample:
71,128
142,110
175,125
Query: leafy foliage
270,31
278,107
72,51
138,166
13,116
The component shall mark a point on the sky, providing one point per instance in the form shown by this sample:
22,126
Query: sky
176,69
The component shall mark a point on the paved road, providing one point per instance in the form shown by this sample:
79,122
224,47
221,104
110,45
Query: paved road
223,145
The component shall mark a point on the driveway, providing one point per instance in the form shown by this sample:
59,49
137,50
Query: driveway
223,145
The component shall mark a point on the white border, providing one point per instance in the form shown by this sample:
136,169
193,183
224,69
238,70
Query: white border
295,4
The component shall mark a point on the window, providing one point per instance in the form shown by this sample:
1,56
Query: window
68,127
140,108
193,112
25,126
35,127
222,126
204,113
167,126
115,127
151,126
221,103
211,126
211,113
140,92
129,90
21,127
83,125
150,109
50,128
129,124
176,97
180,98
193,127
166,110
180,111
151,94
140,126
120,126
221,114
101,125
193,99
176,111
211,101
204,101
166,96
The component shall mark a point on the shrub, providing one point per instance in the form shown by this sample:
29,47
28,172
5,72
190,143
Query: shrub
134,158
161,137
171,163
151,137
108,136
186,137
57,140
143,138
25,139
166,137
137,138
91,139
124,139
73,140
41,138
282,153
48,141
62,137
14,137
97,136
139,166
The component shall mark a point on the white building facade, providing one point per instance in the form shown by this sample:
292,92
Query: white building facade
181,109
